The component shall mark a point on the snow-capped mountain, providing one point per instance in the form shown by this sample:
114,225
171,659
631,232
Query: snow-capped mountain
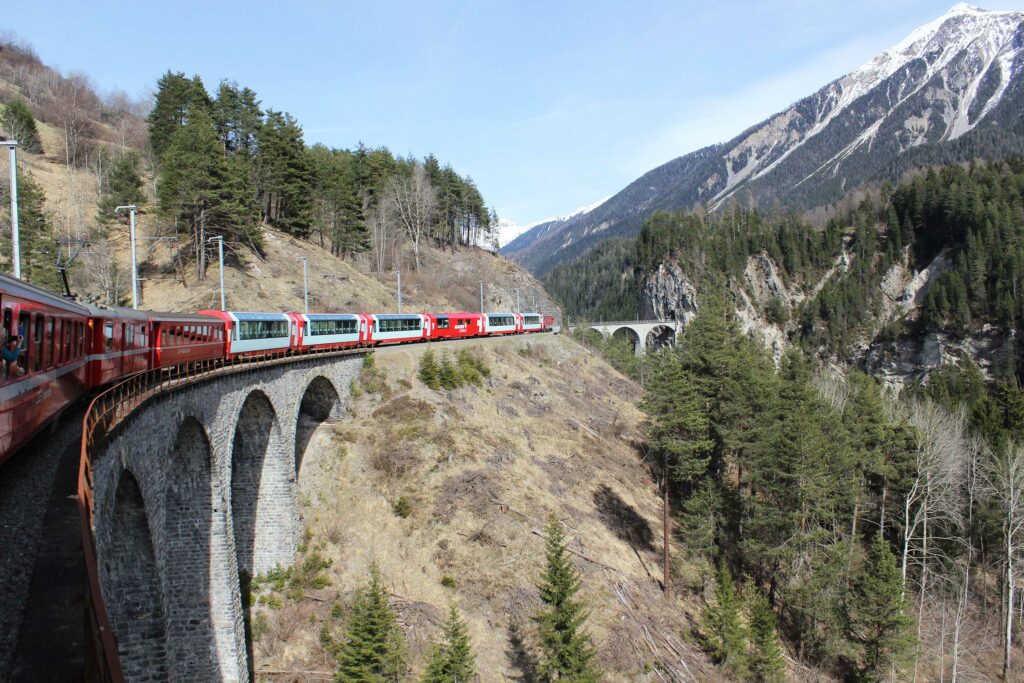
951,90
509,230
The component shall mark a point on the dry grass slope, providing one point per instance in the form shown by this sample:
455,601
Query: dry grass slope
479,470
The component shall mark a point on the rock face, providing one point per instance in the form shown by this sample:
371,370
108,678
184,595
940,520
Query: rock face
941,93
668,294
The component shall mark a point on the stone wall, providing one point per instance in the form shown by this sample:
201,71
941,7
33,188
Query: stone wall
198,485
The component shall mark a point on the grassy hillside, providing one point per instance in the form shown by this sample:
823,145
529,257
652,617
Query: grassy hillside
476,471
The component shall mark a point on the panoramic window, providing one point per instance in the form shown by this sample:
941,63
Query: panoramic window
500,320
325,327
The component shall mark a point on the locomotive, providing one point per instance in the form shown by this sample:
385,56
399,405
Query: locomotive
66,350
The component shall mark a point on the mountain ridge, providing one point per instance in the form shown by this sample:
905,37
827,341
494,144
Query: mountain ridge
951,90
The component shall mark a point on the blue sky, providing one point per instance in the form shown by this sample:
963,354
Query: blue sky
547,105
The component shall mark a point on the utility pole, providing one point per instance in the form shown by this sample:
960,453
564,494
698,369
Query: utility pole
305,281
399,290
481,296
518,309
135,266
12,147
220,257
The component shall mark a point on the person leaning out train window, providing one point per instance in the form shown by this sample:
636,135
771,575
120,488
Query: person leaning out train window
10,355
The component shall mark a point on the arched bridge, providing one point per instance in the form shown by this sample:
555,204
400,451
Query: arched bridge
644,334
189,487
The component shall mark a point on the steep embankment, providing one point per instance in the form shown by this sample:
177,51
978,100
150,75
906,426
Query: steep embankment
476,471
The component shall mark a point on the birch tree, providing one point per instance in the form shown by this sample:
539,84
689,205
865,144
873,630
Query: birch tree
1003,476
413,202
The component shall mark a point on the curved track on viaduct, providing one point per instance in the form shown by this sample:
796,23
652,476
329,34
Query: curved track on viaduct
187,488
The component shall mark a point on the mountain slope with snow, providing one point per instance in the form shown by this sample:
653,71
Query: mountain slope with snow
952,90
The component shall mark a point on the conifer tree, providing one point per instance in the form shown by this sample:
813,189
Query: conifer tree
373,650
451,660
38,247
566,651
876,624
177,98
727,636
20,125
285,177
448,375
430,373
766,662
123,186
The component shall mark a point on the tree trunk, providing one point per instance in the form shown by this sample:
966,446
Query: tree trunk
667,531
1008,640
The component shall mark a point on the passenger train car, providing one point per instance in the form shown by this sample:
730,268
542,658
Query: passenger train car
67,350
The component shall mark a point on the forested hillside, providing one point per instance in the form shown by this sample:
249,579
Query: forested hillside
841,287
876,531
201,164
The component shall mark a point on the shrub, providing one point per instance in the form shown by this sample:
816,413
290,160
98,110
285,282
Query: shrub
449,376
402,507
447,581
429,373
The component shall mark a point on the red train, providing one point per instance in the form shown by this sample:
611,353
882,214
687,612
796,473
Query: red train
66,350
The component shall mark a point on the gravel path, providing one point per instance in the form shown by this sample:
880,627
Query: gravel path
26,481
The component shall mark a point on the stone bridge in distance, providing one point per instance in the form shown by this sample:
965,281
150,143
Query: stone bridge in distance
645,334
196,492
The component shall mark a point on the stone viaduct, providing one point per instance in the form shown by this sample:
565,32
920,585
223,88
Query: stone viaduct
196,492
645,334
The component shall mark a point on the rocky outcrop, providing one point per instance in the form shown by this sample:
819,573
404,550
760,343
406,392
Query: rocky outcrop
668,294
905,360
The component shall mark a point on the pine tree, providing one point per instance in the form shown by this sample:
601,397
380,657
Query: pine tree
123,186
727,637
285,177
451,660
429,372
566,651
177,98
767,664
876,624
19,124
38,247
374,649
448,375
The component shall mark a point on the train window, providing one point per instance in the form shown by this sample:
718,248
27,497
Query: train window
531,319
322,327
23,331
66,347
442,322
49,341
129,337
262,329
399,325
108,336
500,320
123,335
7,323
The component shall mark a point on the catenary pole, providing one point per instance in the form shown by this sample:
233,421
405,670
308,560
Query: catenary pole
12,147
399,291
220,258
135,265
481,296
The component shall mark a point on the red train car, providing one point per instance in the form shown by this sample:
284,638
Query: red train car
549,323
181,338
455,325
118,344
51,368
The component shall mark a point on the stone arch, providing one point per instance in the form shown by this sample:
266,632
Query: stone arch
629,333
132,590
320,402
262,497
660,336
193,542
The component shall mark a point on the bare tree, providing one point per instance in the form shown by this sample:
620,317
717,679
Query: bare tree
1003,476
970,493
413,202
